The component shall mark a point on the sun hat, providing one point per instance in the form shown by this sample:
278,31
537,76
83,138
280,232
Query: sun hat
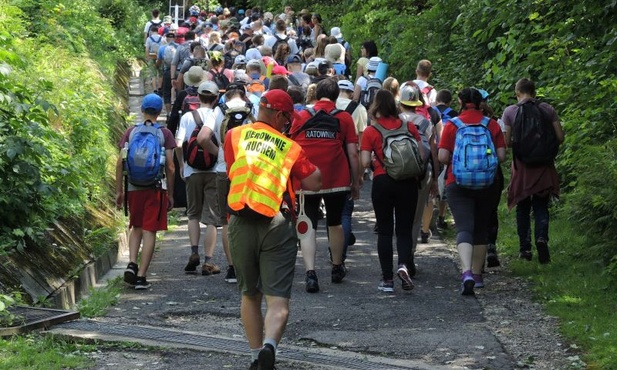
346,85
336,32
410,95
334,53
194,76
167,19
208,87
152,101
373,63
278,100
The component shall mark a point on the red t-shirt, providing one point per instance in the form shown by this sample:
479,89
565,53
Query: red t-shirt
301,169
328,154
448,135
372,141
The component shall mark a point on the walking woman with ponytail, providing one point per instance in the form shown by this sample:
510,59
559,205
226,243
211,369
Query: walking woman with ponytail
470,184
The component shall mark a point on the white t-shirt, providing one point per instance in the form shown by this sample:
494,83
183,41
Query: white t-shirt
185,129
359,115
150,23
432,95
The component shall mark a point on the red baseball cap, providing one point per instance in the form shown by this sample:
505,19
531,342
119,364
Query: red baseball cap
278,100
280,70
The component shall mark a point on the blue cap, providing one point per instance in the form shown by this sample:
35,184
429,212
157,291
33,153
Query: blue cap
240,11
152,101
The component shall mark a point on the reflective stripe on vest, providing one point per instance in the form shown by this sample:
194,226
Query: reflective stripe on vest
261,169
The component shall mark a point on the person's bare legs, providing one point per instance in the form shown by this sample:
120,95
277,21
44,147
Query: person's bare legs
337,243
134,243
225,241
465,254
147,250
194,231
210,240
252,320
309,248
427,216
277,313
479,255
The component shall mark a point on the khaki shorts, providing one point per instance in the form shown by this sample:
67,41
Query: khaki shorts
264,254
201,198
222,190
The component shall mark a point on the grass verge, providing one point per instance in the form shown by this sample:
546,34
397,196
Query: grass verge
35,351
99,300
572,287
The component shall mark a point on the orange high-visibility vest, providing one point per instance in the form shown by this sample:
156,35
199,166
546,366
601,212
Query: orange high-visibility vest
261,169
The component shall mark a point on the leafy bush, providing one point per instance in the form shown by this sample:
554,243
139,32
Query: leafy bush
58,110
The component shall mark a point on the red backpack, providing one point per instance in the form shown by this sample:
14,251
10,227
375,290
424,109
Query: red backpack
196,156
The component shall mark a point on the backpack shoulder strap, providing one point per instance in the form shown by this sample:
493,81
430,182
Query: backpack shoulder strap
197,118
485,121
351,107
457,122
311,110
293,80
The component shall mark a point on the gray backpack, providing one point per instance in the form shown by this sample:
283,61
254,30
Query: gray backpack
401,153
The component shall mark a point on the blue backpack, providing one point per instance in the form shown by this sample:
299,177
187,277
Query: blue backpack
474,161
445,115
143,160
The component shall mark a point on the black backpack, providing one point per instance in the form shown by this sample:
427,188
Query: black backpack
534,141
279,41
220,80
321,125
194,154
234,117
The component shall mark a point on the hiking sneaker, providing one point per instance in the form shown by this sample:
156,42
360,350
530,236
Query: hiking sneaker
312,285
265,360
543,255
479,279
468,283
441,223
141,283
338,273
254,365
491,256
403,274
525,255
230,277
424,237
130,273
210,268
191,267
386,286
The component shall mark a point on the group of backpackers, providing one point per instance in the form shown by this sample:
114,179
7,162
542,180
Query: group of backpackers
316,135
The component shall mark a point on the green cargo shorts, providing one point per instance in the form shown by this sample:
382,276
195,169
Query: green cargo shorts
264,254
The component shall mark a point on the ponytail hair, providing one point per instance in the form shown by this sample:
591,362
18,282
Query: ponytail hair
470,96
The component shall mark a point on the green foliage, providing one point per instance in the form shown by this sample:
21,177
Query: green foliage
98,301
43,352
7,318
58,110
